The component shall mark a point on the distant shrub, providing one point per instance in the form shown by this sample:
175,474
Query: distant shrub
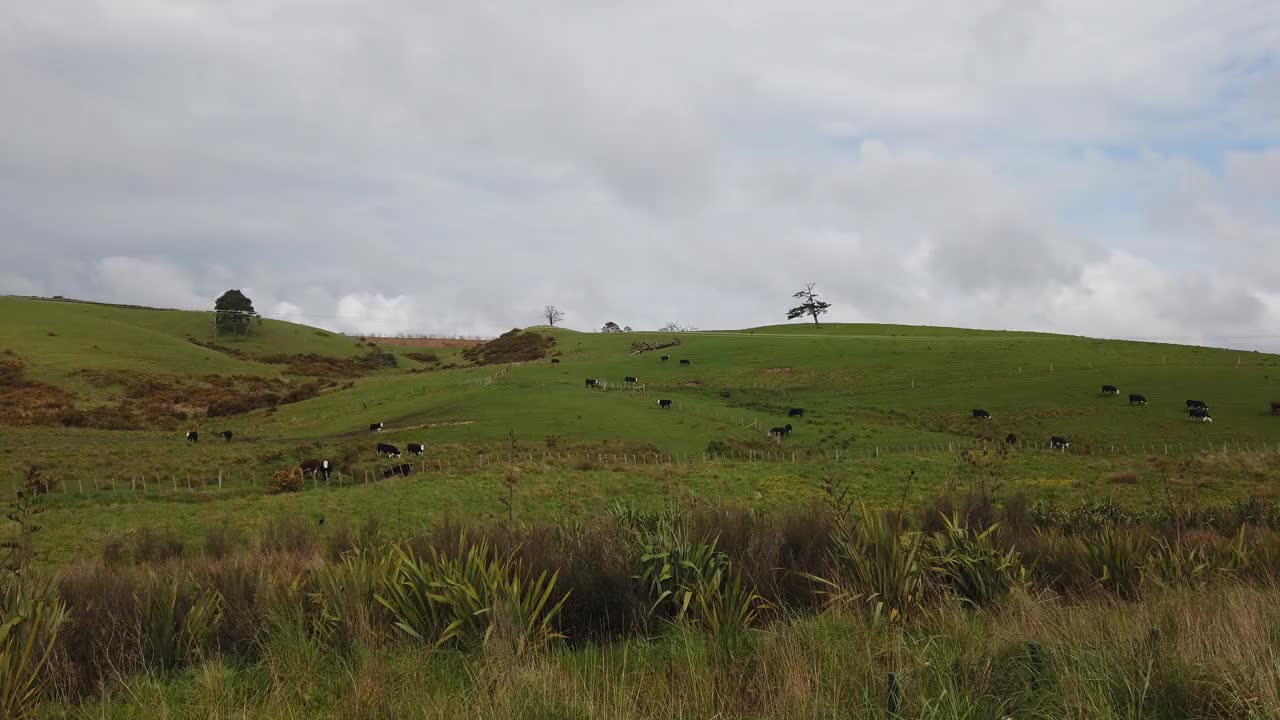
423,357
156,544
217,542
1128,477
512,346
115,549
287,480
290,536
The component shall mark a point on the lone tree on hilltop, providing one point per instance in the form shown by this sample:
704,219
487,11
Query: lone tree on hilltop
232,312
553,314
811,305
611,327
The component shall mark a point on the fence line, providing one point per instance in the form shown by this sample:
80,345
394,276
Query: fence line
171,484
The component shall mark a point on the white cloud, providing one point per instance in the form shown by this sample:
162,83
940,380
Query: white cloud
144,281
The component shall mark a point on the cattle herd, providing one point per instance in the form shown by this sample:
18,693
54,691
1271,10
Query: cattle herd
1197,411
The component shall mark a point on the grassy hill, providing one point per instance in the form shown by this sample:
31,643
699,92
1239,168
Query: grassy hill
890,399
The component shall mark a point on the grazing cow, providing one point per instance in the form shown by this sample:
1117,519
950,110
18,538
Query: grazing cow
415,448
193,436
592,382
1011,440
981,414
325,469
555,361
1275,408
1059,443
226,435
629,379
684,362
1201,414
401,470
1191,404
664,358
783,431
375,427
795,412
664,404
1137,399
388,450
1110,390
310,466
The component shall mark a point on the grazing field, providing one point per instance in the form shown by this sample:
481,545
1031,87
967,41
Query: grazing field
566,551
879,402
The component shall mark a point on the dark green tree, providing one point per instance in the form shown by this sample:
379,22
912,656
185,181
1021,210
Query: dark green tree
811,305
232,313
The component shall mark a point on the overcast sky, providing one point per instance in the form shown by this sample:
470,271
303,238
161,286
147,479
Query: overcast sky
1086,166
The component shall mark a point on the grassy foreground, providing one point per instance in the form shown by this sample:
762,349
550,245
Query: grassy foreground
1209,654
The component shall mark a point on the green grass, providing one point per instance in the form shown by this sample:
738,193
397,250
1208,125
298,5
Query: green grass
863,387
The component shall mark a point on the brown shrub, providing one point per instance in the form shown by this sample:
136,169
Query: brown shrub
513,346
285,480
423,357
1127,477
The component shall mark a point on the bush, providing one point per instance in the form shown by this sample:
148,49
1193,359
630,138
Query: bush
289,536
286,480
156,545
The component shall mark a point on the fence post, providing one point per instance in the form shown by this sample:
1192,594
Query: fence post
219,478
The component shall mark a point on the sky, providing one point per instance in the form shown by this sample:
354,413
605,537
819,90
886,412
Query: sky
451,167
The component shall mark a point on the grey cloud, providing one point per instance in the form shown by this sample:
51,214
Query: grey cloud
431,166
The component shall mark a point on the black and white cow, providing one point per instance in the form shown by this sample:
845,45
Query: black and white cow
1192,404
555,361
226,435
375,428
1200,414
1275,408
1137,399
325,468
630,379
193,436
664,404
1110,390
795,412
401,470
664,358
388,450
592,382
415,448
1011,440
684,362
1059,443
316,467
981,414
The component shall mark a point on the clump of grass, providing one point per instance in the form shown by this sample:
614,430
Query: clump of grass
1126,477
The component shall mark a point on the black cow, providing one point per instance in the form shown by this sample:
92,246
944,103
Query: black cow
592,382
629,379
795,412
401,470
1137,399
314,467
1110,390
783,431
388,450
1197,404
981,414
1275,408
375,427
555,361
415,448
664,404
226,435
684,362
193,436
1200,413
1011,440
664,358
1059,443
